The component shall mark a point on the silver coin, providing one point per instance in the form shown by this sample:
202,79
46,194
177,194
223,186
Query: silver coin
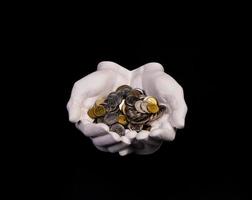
141,91
142,119
113,101
162,108
110,118
113,97
118,128
117,110
131,113
135,127
144,106
123,87
139,122
135,93
109,107
130,100
124,91
99,120
138,106
142,97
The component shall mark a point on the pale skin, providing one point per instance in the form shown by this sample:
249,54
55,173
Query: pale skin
151,78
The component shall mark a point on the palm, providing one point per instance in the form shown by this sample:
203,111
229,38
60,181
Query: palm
85,92
168,92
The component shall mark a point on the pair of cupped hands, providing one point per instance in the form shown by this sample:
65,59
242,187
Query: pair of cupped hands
109,76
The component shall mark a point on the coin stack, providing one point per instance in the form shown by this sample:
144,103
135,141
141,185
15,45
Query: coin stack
126,108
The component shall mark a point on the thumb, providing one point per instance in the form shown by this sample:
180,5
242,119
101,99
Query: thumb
167,134
163,130
178,116
169,92
173,95
74,110
96,83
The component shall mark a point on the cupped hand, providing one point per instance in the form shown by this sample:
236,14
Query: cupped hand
152,78
107,78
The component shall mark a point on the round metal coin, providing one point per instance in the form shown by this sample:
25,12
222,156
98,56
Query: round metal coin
91,113
99,110
130,100
138,106
151,99
118,128
110,118
152,108
122,119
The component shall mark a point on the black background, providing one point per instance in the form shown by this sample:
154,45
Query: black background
207,160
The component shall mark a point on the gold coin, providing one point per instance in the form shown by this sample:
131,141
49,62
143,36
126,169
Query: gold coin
122,119
99,111
91,113
153,108
151,99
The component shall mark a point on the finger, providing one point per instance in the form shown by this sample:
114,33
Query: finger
96,83
125,140
130,134
163,134
140,72
175,99
108,65
153,66
93,130
143,137
178,116
105,140
117,147
169,92
162,129
126,151
74,109
104,149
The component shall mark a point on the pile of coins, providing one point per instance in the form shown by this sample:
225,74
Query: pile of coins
126,108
